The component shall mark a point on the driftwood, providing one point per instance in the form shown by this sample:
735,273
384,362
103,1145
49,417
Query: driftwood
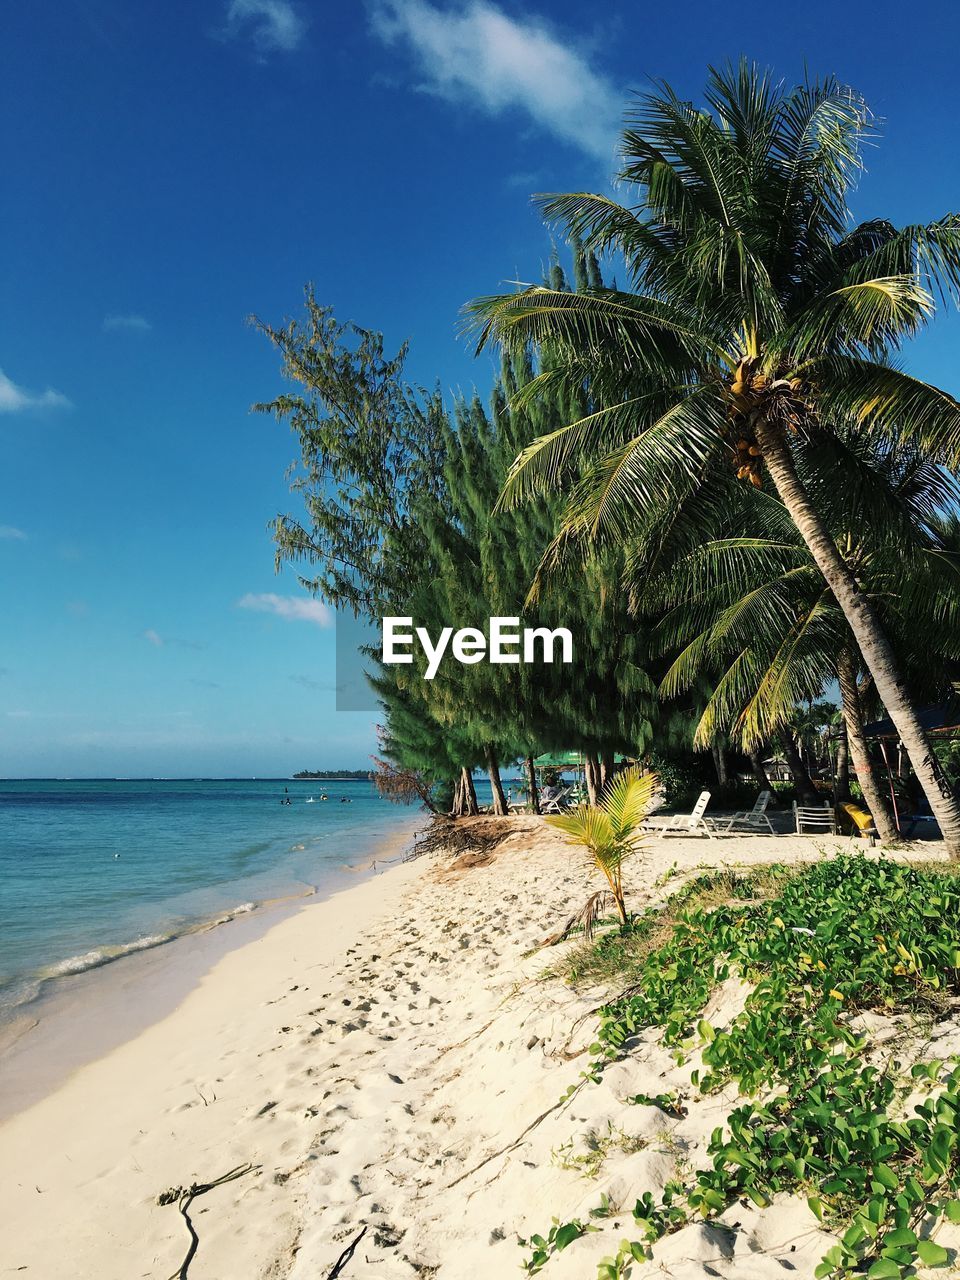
345,1257
456,836
184,1197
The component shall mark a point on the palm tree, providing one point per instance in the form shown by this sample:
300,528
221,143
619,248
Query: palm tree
760,322
756,613
611,831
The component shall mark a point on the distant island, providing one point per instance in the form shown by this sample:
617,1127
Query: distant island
333,775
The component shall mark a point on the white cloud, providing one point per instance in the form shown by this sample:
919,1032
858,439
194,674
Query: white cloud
153,638
126,324
11,534
290,608
270,24
14,399
478,55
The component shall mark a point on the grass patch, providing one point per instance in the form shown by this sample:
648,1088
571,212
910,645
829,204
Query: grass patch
589,1158
617,958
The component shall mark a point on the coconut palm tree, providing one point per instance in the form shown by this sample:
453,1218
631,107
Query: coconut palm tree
759,322
611,831
756,612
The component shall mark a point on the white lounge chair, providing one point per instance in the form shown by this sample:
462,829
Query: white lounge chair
819,819
754,819
686,823
557,803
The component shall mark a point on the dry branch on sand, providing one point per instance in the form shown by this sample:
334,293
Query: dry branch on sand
454,837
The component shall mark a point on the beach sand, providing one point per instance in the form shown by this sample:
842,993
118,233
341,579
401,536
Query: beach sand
388,1058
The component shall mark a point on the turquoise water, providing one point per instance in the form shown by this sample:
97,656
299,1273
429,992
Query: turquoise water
92,870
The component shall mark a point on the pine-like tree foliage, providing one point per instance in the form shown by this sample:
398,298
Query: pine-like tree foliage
400,518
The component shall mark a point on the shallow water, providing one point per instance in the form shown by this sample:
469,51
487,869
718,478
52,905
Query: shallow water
93,870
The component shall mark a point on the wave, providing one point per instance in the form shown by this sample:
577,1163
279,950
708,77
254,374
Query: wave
102,955
17,993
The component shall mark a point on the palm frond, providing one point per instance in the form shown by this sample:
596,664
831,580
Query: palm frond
663,461
885,400
627,800
543,464
649,334
869,315
586,824
929,251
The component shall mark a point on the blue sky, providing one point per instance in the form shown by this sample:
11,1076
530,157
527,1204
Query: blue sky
171,167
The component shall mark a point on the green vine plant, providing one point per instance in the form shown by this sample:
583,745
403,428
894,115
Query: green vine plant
874,1151
556,1240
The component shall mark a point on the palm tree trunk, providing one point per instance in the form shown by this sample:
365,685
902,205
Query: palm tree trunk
862,619
719,762
759,772
798,770
843,762
496,786
853,717
532,785
621,907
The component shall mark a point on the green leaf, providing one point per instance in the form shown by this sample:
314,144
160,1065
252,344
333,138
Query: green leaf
566,1234
932,1254
884,1269
854,1234
902,1236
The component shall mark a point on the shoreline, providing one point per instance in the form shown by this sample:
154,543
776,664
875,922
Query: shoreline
391,1065
74,1018
172,1088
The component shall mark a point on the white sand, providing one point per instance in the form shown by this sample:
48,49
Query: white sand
381,1059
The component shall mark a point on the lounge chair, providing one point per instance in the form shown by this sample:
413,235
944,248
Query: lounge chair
685,823
754,819
818,819
556,803
858,819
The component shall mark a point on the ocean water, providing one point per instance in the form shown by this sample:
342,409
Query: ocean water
93,870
